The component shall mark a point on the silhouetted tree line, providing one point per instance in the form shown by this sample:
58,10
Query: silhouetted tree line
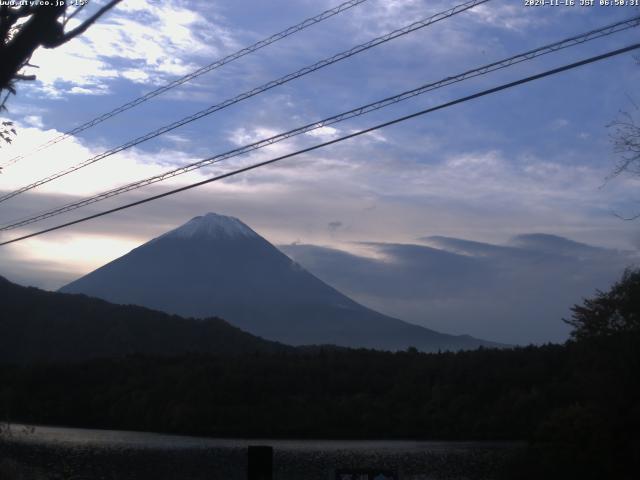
40,326
577,404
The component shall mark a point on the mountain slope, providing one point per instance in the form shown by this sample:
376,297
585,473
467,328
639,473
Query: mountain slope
216,265
43,326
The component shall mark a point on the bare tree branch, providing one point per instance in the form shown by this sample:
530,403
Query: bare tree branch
4,102
75,12
25,28
80,29
19,76
625,137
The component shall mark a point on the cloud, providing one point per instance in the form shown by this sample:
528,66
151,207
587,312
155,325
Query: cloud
445,283
513,293
243,135
34,121
141,41
508,16
324,133
559,123
484,171
382,195
382,16
132,164
335,225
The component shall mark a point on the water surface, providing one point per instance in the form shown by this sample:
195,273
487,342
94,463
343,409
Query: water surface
109,454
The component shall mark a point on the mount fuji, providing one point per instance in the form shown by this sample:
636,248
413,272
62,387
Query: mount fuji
216,265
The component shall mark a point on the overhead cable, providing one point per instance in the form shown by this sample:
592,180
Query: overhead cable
251,93
254,166
356,112
190,76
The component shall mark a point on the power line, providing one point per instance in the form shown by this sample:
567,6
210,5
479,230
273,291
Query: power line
529,55
196,73
356,112
254,166
251,93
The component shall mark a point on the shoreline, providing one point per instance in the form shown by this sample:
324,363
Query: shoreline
107,434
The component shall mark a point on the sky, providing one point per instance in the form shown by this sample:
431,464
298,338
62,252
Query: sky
531,160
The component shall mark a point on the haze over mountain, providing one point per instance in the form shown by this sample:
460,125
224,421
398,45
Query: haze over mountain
217,266
516,292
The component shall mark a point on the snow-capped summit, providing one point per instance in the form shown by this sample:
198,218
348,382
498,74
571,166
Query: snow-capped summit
217,266
212,225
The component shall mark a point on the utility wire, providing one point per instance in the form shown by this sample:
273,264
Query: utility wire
196,73
267,86
501,64
483,93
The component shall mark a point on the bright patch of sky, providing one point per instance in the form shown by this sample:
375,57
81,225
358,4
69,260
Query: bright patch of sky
533,159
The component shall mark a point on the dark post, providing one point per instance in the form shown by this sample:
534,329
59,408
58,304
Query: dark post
260,465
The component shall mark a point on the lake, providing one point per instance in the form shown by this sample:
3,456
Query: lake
71,453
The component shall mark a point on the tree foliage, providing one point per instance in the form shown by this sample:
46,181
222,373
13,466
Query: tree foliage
559,397
609,313
39,326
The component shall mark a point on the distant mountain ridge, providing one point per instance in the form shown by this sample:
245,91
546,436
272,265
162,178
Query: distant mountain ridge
40,326
216,265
